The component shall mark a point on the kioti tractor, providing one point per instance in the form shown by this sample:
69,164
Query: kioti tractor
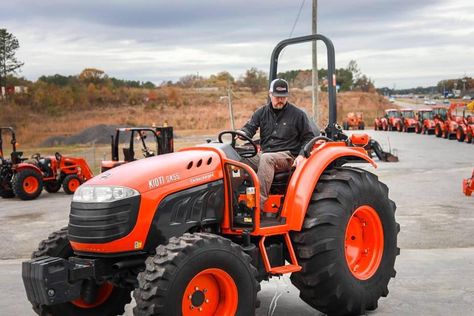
454,119
59,170
465,129
127,139
354,121
425,122
440,116
407,122
27,179
185,231
389,121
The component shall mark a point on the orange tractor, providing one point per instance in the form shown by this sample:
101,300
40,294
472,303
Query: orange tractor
465,131
454,118
468,185
354,121
407,121
186,233
27,179
425,122
389,121
440,114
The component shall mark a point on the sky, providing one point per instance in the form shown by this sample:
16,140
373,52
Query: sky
398,44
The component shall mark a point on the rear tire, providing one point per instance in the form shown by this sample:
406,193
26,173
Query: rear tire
333,280
71,183
57,245
27,184
52,186
175,278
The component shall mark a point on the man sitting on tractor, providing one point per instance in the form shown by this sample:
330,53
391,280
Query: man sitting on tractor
284,130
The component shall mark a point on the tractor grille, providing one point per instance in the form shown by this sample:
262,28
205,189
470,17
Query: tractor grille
97,223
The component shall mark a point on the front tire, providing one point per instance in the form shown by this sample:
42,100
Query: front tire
71,183
460,136
110,301
197,273
347,264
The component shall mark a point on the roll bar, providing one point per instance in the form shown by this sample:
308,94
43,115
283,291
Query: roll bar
332,130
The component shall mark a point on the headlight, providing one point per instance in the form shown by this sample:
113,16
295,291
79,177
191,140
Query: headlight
97,194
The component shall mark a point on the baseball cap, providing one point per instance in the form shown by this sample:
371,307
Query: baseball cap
279,88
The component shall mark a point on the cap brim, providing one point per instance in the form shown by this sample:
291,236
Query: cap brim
276,94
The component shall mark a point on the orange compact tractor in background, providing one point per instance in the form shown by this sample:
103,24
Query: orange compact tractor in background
354,121
465,129
59,170
185,232
389,121
448,124
468,185
151,140
27,179
440,113
407,122
425,122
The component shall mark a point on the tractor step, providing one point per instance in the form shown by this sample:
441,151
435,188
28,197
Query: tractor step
293,267
285,269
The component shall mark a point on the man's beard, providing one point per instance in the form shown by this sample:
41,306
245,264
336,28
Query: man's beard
279,106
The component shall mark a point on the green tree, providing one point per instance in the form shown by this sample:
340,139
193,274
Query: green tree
255,79
8,62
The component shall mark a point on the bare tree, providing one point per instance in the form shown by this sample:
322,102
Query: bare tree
8,62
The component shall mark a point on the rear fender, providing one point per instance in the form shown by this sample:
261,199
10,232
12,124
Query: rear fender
306,176
22,166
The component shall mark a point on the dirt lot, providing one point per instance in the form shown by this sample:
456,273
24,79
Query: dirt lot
435,268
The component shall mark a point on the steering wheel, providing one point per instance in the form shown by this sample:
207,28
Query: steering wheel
147,152
58,156
243,153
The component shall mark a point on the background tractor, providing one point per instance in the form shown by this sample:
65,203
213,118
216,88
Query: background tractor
354,121
152,141
425,122
465,129
455,117
389,121
185,232
59,170
26,179
440,116
407,122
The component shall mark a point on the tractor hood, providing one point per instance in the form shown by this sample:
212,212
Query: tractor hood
183,169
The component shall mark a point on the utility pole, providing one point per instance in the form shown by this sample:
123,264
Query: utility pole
231,111
317,113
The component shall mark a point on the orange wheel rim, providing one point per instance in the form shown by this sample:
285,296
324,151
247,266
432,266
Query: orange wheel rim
73,185
104,292
364,242
30,184
210,292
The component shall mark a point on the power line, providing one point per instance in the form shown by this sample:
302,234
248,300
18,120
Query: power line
297,18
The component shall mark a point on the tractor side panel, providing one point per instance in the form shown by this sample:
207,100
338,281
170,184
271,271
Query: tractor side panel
304,179
179,212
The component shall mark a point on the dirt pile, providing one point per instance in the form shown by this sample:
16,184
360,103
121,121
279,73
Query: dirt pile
98,134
